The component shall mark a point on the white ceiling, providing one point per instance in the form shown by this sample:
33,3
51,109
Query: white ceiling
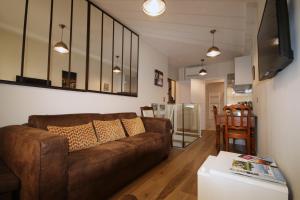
183,31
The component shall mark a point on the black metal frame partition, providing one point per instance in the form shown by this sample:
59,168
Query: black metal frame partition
104,13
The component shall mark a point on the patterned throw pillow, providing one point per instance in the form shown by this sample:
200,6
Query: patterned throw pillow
134,126
109,130
79,137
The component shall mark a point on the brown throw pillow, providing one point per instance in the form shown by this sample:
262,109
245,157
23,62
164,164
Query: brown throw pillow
109,130
79,137
134,126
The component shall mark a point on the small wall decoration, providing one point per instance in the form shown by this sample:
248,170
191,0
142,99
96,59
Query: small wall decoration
72,81
159,78
106,87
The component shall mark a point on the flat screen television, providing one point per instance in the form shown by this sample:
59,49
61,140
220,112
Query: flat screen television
274,41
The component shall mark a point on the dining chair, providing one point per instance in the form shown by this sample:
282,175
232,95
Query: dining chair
215,111
238,125
147,111
218,129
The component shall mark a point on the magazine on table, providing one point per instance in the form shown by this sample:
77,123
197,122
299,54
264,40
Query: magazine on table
260,168
258,160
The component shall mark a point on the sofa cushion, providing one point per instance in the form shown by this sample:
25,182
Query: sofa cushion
107,131
79,137
113,116
134,126
91,165
146,143
42,121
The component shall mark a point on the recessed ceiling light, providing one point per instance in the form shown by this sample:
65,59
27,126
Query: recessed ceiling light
213,51
154,7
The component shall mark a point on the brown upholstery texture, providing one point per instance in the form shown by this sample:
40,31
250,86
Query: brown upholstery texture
42,121
38,159
47,171
102,170
8,181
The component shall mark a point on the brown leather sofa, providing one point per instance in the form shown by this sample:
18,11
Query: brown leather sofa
47,171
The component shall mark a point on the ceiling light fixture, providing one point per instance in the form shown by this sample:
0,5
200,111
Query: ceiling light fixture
116,68
61,47
203,71
213,51
154,7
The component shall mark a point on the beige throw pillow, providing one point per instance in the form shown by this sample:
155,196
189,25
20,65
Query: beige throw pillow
134,126
109,130
79,137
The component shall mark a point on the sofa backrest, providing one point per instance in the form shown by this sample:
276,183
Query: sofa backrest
42,121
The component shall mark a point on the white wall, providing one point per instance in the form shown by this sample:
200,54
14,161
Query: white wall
243,70
173,73
18,102
276,104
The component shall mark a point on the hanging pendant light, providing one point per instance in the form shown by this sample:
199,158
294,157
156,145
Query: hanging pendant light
213,51
116,68
203,71
60,46
154,7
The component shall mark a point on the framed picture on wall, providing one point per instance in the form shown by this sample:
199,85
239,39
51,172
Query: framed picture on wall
72,81
159,78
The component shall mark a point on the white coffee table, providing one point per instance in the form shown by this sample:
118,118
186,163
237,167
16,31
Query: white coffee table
216,182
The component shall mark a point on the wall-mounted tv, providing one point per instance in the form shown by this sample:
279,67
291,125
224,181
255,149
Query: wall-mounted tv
274,42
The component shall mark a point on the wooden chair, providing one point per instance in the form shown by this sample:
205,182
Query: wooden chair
215,111
147,111
235,126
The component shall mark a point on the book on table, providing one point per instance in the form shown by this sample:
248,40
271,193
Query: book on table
260,168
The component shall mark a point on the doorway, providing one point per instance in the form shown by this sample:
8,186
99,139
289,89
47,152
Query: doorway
214,97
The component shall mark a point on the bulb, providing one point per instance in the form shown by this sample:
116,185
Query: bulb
61,50
154,7
61,47
213,53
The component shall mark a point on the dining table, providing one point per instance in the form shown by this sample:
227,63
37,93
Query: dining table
220,123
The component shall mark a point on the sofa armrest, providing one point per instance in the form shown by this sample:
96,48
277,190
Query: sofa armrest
160,125
39,159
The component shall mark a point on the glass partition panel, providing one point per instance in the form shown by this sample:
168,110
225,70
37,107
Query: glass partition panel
37,39
126,61
95,49
78,55
60,61
107,54
11,33
187,124
134,65
55,49
117,70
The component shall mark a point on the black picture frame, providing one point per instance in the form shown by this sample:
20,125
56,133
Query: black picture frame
158,78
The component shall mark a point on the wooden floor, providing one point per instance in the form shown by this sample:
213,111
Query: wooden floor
176,177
